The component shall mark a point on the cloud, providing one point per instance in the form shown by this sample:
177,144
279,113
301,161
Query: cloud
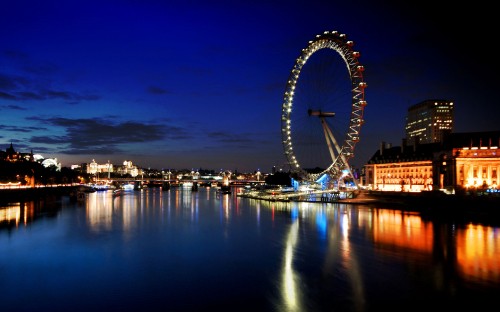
13,107
42,95
16,129
32,82
157,90
7,96
17,88
229,137
11,82
105,136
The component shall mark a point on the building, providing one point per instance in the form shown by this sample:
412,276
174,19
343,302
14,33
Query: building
405,167
471,160
11,155
129,168
95,168
429,121
462,161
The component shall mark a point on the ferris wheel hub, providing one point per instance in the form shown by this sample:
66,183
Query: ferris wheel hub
319,113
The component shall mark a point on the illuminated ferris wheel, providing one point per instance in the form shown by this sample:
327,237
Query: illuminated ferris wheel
323,107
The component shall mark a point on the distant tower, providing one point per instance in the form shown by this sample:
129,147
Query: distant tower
429,121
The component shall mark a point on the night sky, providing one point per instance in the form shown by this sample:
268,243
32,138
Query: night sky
200,84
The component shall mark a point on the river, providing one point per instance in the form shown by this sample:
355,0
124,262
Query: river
183,250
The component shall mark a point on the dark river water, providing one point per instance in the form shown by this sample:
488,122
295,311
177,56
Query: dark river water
178,250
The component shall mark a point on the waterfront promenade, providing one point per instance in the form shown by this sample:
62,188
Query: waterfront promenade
23,193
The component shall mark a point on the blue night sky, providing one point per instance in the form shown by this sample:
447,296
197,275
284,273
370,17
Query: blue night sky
200,84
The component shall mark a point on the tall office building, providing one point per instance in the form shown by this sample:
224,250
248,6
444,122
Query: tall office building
429,121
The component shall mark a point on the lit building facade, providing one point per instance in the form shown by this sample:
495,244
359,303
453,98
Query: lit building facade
11,155
463,161
129,168
94,167
401,168
429,121
473,159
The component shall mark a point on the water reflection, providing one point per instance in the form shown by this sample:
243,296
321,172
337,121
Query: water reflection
478,253
99,208
300,256
456,253
474,248
290,279
332,227
19,214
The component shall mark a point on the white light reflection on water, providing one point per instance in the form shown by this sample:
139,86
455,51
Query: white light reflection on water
99,211
335,229
351,263
290,279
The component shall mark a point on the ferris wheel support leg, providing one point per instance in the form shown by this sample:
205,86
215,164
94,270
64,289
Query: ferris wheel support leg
329,141
330,137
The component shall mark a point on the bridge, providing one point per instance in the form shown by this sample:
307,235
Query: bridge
174,182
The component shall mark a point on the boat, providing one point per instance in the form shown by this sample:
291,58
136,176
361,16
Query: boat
117,192
186,184
103,187
128,187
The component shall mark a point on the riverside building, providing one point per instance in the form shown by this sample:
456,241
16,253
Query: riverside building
461,162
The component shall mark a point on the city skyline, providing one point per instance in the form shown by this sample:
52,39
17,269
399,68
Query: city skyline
200,84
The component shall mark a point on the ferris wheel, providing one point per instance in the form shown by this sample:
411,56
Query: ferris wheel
323,107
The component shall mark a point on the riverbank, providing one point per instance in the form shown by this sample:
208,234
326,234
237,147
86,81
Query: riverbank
23,194
431,204
436,204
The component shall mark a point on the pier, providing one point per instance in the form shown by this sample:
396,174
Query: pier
300,196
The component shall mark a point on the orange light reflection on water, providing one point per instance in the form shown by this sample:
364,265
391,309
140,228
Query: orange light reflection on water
478,252
395,228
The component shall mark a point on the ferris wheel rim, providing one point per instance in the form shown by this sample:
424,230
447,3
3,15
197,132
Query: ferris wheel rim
338,42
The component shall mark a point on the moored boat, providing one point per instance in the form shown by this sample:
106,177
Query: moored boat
128,187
